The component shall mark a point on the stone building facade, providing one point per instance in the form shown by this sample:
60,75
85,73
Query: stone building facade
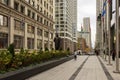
27,23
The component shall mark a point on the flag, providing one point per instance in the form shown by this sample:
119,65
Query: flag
103,12
104,8
104,4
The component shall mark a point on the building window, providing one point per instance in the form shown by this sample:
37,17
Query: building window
45,22
62,22
41,9
33,3
27,1
3,40
30,43
19,25
61,4
30,29
61,7
3,20
39,32
38,18
51,45
51,35
57,15
57,0
22,9
29,13
39,44
45,44
44,3
44,12
61,29
61,34
33,15
46,34
61,18
18,42
41,19
47,6
16,6
6,2
61,25
41,1
61,15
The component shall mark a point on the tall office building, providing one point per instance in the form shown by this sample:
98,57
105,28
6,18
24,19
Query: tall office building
66,22
27,23
99,6
87,31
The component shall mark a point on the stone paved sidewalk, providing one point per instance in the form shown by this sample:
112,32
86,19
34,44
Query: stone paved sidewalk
61,72
111,68
90,70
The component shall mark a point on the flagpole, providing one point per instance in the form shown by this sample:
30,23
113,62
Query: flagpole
102,31
105,30
109,32
117,36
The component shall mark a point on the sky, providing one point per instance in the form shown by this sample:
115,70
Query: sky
87,8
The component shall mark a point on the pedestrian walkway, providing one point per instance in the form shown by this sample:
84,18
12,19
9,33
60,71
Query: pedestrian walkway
84,68
111,68
61,72
92,70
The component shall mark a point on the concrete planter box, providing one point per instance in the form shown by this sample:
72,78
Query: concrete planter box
27,72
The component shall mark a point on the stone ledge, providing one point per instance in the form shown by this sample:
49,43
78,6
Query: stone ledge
27,72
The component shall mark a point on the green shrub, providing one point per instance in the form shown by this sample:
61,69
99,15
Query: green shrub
5,59
24,58
40,51
17,62
46,49
21,51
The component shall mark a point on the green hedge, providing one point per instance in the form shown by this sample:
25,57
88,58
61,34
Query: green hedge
24,58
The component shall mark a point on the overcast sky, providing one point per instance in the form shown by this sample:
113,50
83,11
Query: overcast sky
87,8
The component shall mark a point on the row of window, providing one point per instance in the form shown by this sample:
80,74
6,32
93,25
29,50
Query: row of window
60,15
30,29
20,25
32,2
31,14
58,0
60,12
66,34
49,8
18,42
60,4
61,22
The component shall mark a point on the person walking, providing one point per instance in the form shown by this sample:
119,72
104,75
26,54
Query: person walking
75,55
113,54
